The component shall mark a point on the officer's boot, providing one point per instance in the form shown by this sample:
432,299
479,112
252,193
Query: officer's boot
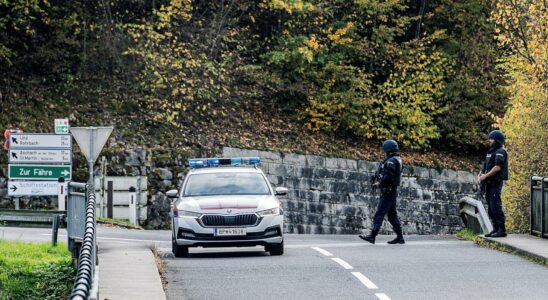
501,232
371,237
495,229
399,237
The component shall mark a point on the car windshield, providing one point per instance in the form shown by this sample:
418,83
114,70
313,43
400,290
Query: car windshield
234,183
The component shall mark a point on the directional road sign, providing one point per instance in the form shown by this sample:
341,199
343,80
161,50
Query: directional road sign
40,141
39,172
61,126
32,188
22,156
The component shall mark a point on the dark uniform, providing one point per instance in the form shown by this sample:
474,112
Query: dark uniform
496,156
388,177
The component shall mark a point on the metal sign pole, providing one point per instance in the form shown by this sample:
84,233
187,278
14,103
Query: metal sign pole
90,160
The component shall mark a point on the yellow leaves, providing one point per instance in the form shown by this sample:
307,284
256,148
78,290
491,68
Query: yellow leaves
313,43
291,6
338,36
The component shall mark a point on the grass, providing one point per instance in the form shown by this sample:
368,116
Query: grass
467,234
118,222
35,271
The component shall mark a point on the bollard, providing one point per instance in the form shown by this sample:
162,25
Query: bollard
132,206
55,229
62,194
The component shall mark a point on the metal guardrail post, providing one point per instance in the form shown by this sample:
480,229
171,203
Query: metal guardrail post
55,229
531,211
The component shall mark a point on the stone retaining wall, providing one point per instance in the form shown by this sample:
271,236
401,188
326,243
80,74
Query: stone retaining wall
333,195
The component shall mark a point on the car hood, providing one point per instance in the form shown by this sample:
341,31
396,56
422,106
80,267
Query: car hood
232,204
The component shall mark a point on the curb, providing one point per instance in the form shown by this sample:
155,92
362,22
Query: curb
520,252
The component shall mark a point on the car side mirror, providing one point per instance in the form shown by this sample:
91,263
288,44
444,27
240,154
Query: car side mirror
172,194
281,191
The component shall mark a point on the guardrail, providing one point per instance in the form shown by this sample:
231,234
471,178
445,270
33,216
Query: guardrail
81,229
474,216
539,206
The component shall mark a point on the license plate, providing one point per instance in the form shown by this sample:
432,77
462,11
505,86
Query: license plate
229,231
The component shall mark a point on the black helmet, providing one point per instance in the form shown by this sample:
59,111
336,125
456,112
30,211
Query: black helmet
390,146
497,135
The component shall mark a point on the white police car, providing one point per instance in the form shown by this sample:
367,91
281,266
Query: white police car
226,202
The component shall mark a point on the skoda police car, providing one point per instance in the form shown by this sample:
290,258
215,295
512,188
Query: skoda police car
226,202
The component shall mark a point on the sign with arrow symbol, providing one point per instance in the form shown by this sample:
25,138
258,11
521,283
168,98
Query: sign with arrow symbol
40,156
40,141
40,172
32,188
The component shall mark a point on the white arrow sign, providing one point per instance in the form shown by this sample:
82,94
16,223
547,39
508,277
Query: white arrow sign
40,141
40,156
32,188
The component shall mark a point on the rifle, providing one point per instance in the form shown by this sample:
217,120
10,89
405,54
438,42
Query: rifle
376,177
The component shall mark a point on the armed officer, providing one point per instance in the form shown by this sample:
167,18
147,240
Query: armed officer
492,176
388,179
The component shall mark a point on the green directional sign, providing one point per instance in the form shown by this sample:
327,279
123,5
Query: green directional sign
39,172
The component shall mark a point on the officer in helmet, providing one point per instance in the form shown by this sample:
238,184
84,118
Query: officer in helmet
388,179
492,176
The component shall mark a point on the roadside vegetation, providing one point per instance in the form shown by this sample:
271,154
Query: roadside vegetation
118,222
35,271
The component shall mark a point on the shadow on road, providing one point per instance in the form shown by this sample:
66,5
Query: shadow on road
220,254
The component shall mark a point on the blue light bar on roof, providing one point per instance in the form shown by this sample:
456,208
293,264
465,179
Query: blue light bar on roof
213,162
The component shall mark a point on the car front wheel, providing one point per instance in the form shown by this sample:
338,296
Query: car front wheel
276,249
178,251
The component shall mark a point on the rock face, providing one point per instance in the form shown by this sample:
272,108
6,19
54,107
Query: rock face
333,195
326,195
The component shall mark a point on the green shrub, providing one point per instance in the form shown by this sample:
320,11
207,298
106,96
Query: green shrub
35,271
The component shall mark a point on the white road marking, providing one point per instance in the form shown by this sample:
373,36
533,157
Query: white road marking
364,244
324,252
343,263
368,283
382,296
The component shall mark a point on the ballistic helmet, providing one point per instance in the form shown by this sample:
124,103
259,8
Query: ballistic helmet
497,135
390,146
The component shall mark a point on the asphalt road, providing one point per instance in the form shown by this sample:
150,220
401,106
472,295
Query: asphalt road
344,267
335,267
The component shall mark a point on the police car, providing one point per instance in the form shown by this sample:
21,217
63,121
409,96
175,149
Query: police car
226,202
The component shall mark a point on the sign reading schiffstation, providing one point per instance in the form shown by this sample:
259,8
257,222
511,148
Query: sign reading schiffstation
38,160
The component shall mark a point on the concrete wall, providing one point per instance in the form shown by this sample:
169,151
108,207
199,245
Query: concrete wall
333,195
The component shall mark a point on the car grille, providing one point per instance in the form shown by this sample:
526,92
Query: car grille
238,220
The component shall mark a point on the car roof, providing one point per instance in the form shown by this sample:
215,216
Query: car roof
245,169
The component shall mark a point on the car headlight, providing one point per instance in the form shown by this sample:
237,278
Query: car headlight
272,211
186,213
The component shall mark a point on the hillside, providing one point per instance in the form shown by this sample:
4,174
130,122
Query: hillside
307,76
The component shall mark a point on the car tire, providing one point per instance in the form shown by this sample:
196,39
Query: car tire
276,249
178,251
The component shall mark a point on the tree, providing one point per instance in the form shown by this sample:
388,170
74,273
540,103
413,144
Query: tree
523,32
